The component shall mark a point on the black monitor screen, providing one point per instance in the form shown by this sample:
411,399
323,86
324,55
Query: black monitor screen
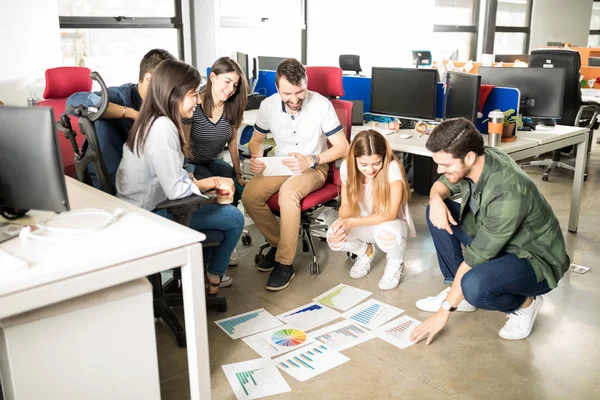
511,58
31,171
542,89
462,95
242,60
269,63
404,92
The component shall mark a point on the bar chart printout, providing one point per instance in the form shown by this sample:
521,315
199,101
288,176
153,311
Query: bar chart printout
397,332
372,313
310,361
255,379
341,336
248,323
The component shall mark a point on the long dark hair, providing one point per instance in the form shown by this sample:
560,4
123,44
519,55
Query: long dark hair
170,82
236,104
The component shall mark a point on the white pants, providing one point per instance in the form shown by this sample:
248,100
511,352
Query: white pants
390,237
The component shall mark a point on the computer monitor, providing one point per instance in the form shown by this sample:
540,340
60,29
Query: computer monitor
421,57
31,169
270,63
404,92
242,60
462,96
511,58
542,89
594,61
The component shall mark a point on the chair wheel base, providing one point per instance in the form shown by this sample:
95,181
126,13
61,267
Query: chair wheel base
314,269
246,238
545,177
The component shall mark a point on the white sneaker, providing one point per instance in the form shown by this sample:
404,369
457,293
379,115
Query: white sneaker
226,281
362,265
233,259
520,322
391,275
433,303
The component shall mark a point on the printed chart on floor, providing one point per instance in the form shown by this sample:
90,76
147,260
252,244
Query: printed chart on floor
342,297
255,379
372,313
397,332
341,336
309,316
277,341
310,361
248,323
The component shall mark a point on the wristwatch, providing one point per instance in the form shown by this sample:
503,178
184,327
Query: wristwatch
315,160
446,306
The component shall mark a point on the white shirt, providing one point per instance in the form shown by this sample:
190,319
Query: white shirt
157,174
306,132
366,202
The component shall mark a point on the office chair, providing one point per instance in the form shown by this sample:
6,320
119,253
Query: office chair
575,111
350,62
594,61
165,295
62,82
328,82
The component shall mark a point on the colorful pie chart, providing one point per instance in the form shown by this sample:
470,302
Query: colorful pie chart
289,337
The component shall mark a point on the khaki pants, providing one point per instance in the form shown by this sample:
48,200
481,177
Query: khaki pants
292,189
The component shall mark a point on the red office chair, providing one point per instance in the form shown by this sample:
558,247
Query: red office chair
328,82
62,82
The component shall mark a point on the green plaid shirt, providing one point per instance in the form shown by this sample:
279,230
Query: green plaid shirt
513,217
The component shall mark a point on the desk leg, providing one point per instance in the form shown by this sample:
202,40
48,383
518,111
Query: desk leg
192,277
577,185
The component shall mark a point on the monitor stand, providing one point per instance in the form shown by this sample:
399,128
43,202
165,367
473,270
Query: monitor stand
545,124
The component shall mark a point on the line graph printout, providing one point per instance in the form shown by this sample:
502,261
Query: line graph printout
255,379
372,313
341,336
342,297
310,361
277,341
248,323
309,316
397,332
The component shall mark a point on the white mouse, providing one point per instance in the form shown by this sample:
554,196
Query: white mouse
404,135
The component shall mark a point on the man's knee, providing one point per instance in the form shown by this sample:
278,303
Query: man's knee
473,288
387,240
289,196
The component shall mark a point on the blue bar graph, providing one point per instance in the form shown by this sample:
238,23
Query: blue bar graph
366,316
314,307
244,379
303,360
350,331
230,324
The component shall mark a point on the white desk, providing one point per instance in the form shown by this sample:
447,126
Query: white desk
139,244
528,144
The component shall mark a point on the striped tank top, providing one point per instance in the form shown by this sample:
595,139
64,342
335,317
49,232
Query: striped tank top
207,139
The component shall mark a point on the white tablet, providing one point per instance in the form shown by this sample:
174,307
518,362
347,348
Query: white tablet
275,167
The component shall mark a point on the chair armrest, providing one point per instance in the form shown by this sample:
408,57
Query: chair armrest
188,201
245,153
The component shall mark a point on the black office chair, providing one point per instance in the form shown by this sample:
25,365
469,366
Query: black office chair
575,111
165,295
350,62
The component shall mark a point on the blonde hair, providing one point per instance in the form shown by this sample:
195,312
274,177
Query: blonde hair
367,143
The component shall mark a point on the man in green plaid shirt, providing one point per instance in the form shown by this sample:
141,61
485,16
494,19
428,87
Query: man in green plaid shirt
514,250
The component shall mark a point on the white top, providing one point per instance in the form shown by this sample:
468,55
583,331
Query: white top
306,132
366,205
157,174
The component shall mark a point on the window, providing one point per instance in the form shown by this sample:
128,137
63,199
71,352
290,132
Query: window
112,37
594,38
511,28
455,27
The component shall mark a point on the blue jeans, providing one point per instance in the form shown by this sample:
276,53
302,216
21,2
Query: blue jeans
218,168
225,218
502,283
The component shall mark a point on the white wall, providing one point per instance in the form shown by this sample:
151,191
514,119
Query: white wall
560,21
205,15
29,44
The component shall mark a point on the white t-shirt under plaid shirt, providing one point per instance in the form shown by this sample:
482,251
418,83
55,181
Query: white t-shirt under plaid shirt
306,132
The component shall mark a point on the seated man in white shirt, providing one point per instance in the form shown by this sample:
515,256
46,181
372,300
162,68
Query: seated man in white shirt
301,123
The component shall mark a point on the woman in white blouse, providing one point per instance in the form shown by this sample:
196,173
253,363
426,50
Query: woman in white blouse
151,170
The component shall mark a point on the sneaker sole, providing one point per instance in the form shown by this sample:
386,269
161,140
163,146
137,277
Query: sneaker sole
235,264
226,284
530,327
261,269
276,289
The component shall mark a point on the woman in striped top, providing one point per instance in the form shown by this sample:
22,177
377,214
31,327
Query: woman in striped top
216,121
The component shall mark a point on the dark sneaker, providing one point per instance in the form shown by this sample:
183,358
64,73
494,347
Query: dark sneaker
267,263
280,277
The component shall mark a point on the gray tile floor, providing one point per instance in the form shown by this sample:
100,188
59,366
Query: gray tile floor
561,358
